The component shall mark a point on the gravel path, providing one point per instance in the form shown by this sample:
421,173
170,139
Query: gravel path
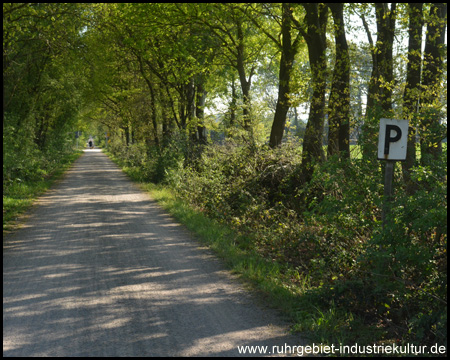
100,270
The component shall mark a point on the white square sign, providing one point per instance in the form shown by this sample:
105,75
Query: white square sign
393,139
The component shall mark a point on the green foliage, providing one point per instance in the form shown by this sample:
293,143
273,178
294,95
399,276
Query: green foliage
23,160
330,232
20,155
164,164
41,89
154,164
23,184
408,258
141,73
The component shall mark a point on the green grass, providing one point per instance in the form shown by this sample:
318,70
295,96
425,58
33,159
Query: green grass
298,303
223,240
267,279
322,306
19,196
234,249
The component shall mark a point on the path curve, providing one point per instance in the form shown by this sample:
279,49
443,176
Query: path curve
100,270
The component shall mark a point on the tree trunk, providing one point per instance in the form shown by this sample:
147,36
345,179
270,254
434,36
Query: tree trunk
153,100
200,110
412,88
431,133
245,87
153,115
385,41
127,135
316,16
245,83
288,51
379,98
232,108
187,103
339,104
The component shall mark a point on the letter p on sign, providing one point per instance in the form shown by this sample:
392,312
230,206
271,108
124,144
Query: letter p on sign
393,139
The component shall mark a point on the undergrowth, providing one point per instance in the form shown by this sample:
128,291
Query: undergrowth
320,250
24,181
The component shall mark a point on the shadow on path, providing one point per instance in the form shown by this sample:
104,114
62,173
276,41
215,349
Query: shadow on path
100,270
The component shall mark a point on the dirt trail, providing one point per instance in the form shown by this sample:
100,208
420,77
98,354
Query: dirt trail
100,270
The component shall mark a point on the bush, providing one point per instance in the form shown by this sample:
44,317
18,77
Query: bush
23,160
165,164
326,237
407,259
154,164
331,231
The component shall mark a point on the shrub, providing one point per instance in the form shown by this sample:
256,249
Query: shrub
330,230
407,259
326,235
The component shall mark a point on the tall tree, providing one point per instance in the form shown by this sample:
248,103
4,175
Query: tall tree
289,47
431,133
382,76
315,36
38,45
411,94
339,103
287,39
200,102
239,45
379,97
171,56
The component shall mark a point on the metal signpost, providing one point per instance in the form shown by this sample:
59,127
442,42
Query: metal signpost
392,143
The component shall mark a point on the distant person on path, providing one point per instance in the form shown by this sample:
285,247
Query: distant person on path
91,144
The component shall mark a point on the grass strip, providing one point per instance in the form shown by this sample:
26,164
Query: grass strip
18,197
264,275
301,304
